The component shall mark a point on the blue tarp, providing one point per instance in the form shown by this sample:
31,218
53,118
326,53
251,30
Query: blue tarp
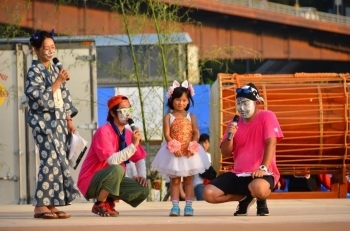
103,94
201,105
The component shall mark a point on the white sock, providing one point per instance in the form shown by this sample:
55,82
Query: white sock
175,202
189,202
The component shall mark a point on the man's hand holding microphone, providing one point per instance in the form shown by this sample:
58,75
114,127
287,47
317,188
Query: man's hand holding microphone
232,128
136,134
227,144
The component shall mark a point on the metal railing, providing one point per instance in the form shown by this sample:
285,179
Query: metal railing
307,12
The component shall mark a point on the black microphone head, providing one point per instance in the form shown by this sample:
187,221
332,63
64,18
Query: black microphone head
235,120
55,60
131,124
57,63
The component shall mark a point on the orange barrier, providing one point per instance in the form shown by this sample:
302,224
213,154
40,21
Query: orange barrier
313,111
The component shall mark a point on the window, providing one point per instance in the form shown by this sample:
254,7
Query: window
115,64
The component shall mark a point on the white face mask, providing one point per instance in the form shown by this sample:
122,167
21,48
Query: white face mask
49,54
122,118
124,114
245,107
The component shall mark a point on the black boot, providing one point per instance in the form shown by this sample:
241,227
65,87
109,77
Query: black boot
261,208
244,205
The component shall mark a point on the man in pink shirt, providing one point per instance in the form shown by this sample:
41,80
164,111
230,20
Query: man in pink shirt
102,175
253,148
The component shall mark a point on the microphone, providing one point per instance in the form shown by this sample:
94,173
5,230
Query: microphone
58,64
131,124
235,121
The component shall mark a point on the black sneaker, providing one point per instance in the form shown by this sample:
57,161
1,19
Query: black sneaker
244,205
261,208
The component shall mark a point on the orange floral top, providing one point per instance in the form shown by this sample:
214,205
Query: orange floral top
182,131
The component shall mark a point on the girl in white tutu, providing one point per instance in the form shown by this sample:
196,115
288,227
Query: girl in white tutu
180,155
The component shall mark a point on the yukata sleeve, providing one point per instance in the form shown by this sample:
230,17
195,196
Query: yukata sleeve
68,103
40,96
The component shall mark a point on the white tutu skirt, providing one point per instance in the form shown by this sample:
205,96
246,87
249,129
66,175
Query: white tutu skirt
168,164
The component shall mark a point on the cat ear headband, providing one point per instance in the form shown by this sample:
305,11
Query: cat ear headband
37,36
176,84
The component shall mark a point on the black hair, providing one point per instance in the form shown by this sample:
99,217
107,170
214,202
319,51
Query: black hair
203,137
177,93
38,38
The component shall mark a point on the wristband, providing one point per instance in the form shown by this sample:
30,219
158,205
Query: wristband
69,119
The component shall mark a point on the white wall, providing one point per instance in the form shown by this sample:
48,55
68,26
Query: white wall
152,98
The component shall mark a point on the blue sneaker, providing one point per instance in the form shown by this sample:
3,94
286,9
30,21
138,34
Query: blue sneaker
175,211
188,211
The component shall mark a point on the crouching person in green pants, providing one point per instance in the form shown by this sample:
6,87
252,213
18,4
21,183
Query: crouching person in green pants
102,175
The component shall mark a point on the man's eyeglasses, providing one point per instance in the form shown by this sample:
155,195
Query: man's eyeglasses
126,111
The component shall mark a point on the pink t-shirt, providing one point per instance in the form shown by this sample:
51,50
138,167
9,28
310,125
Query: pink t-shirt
249,143
105,143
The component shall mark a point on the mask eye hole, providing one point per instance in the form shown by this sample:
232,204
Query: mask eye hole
126,111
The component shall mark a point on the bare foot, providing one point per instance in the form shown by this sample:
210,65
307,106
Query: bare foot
42,210
52,208
59,213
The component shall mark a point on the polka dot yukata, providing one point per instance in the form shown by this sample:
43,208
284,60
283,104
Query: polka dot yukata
47,118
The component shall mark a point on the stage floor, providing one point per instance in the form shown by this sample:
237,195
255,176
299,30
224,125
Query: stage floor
285,215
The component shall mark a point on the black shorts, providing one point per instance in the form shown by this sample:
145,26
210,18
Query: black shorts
229,183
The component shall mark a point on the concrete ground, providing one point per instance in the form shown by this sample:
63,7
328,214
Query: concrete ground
285,215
